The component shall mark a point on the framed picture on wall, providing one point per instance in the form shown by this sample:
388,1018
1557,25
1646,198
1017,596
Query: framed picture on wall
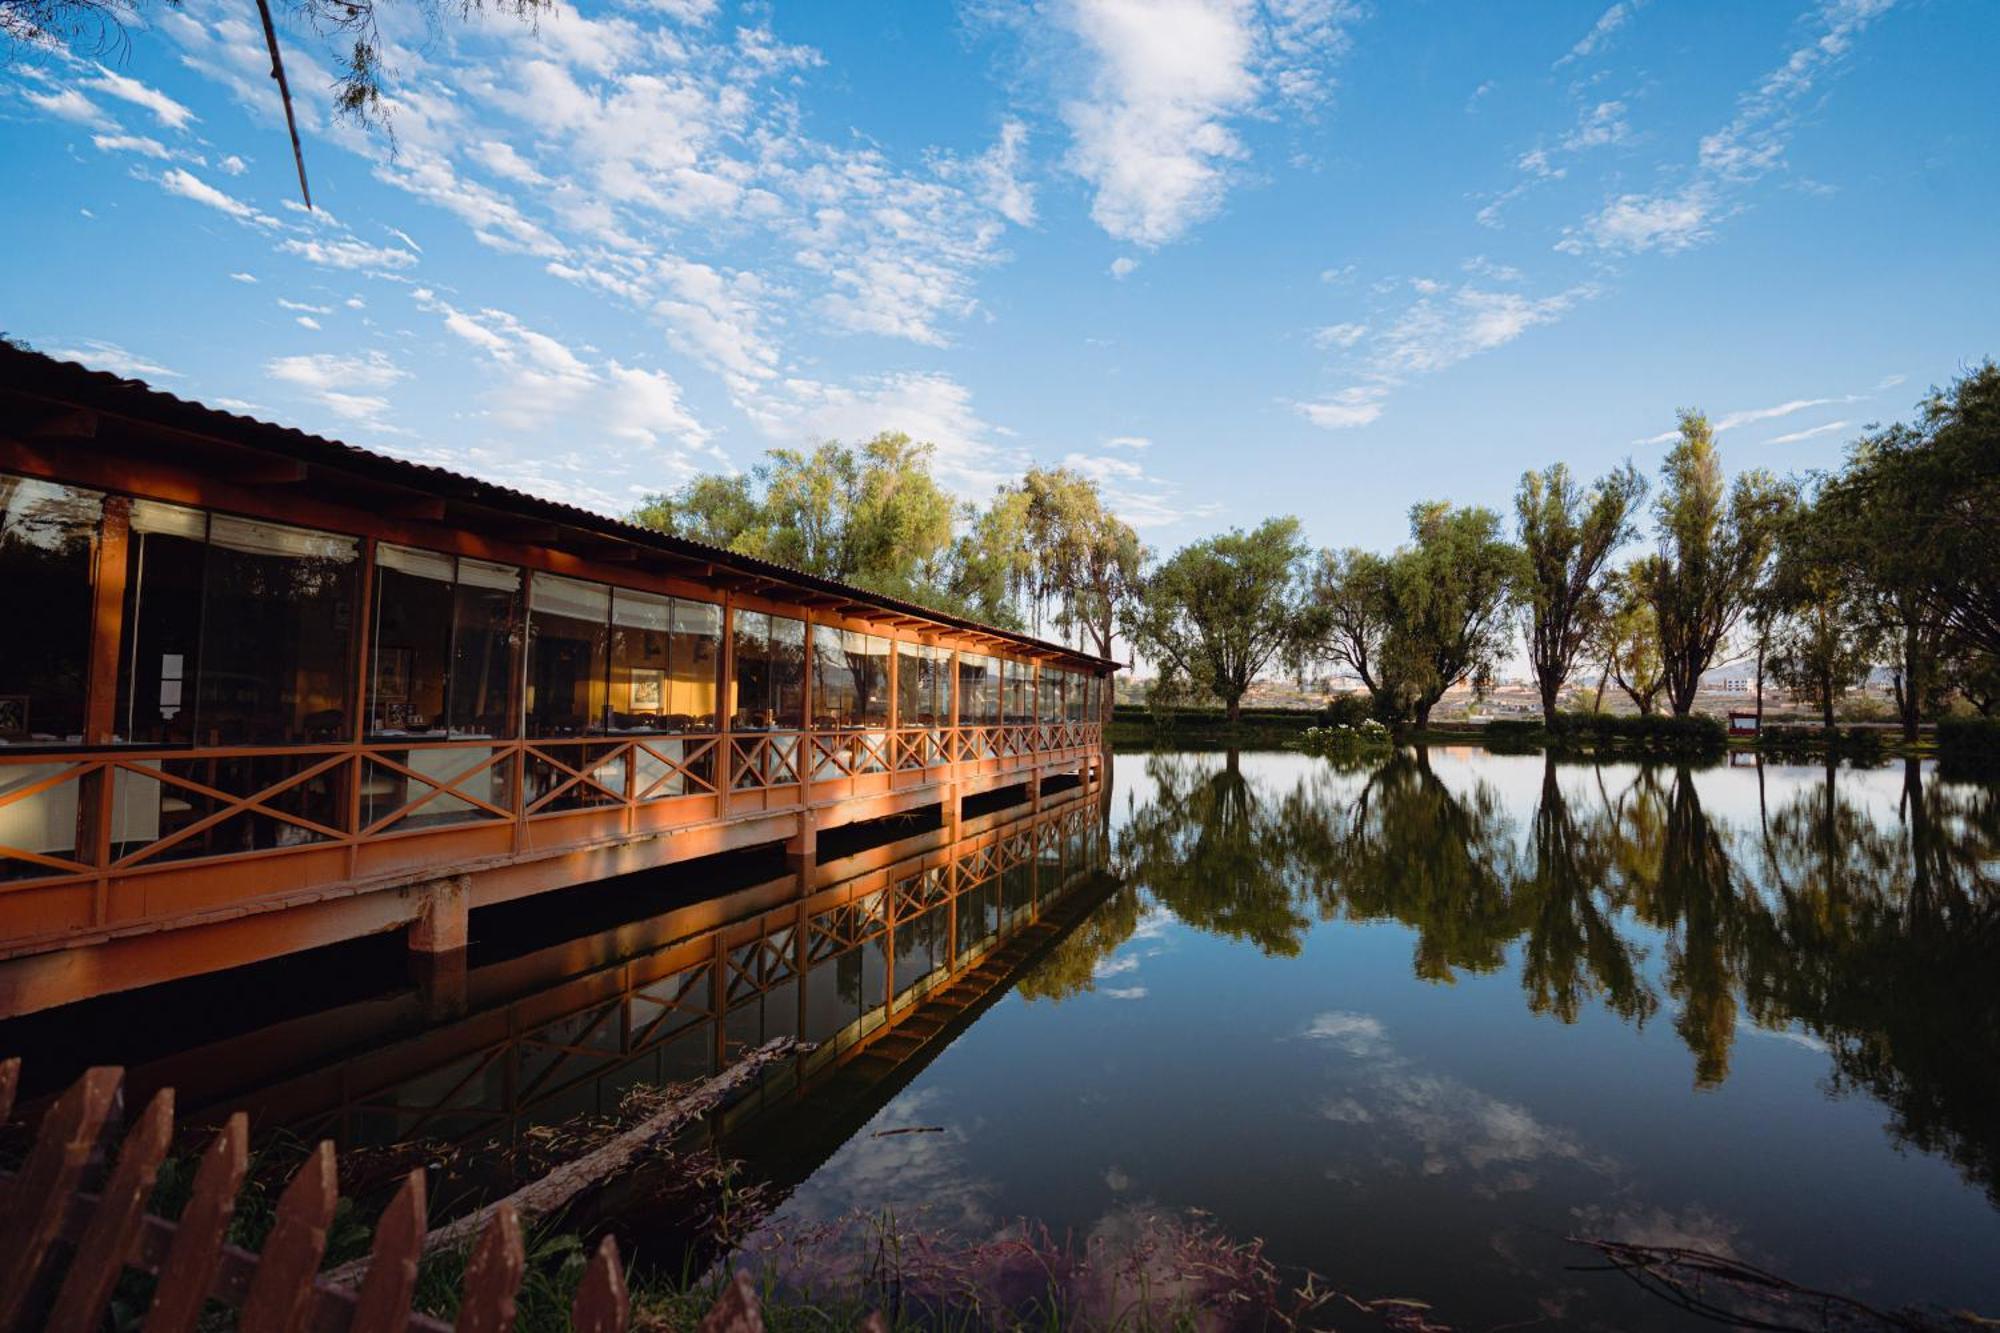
392,675
648,689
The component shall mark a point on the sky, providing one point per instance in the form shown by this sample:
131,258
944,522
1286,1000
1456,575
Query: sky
1233,259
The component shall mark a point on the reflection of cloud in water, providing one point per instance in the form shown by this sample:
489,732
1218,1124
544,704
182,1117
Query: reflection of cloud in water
923,1179
1112,967
1116,1180
1449,1125
1692,1228
1124,992
1357,1034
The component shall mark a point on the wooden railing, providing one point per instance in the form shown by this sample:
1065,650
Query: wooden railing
103,816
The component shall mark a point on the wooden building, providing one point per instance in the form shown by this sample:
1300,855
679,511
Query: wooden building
262,691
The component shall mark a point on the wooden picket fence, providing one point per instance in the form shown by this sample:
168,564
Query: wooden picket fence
47,1216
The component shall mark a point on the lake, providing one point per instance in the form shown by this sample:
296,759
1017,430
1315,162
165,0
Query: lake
1411,1023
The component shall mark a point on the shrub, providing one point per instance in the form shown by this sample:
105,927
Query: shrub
1976,738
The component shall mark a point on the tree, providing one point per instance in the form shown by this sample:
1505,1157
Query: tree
1221,610
1567,539
1713,546
873,517
1629,638
1823,634
1079,556
95,25
1448,595
1350,616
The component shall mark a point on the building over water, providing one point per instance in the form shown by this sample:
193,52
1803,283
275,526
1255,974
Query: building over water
264,691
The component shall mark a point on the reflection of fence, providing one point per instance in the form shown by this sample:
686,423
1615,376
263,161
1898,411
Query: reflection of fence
50,1216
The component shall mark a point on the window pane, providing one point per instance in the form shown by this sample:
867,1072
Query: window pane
697,666
978,690
277,635
568,646
1018,698
412,642
750,693
869,657
834,695
159,661
788,671
46,537
913,695
640,627
486,637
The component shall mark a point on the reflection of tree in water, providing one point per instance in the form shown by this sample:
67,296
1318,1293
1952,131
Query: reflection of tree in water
1876,936
1884,944
1212,850
1070,968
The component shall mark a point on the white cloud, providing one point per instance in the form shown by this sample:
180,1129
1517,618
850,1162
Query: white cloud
232,165
1128,442
349,254
335,381
306,308
131,143
307,322
189,186
1356,406
243,277
1433,334
1749,147
930,407
110,356
1123,267
1748,416
69,104
164,108
998,171
1608,23
1339,335
1810,432
1597,126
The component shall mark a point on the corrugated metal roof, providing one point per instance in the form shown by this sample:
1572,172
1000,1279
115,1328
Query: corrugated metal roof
31,372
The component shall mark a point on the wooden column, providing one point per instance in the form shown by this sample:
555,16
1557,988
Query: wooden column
107,623
725,707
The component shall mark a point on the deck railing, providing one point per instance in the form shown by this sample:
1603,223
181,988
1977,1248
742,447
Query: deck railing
81,831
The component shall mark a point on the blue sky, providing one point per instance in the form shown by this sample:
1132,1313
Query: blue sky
1235,259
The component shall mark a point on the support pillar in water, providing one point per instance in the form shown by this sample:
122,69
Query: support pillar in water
802,848
444,907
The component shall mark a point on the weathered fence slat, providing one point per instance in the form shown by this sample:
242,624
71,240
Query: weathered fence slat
190,1265
54,1170
602,1304
281,1293
384,1304
121,1211
493,1275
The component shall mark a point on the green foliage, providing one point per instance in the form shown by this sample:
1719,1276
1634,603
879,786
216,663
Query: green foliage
1448,594
1823,635
1621,732
1863,744
1567,538
1713,547
1969,738
1221,610
1628,637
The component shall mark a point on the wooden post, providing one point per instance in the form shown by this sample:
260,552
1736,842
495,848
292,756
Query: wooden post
443,921
725,707
107,622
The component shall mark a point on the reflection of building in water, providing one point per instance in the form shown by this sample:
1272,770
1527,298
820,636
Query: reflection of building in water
847,954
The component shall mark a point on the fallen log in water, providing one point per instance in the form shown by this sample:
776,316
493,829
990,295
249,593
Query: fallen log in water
541,1197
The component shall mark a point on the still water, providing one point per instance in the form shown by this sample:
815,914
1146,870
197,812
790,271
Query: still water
1411,1023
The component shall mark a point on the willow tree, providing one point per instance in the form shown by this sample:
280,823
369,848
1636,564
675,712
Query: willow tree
1629,638
1449,592
1081,561
1350,617
1567,538
1220,611
1714,543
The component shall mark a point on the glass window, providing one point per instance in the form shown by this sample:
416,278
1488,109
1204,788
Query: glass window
1049,695
277,631
923,686
486,634
770,672
166,563
1079,695
694,687
48,536
850,678
443,649
641,631
978,690
414,595
1019,692
568,647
